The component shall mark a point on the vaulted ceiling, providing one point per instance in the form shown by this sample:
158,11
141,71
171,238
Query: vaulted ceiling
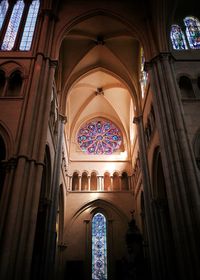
99,74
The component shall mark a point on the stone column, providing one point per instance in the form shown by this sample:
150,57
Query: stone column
79,180
51,232
17,236
111,183
154,258
89,182
180,171
102,183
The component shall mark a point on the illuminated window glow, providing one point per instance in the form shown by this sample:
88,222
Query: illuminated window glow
3,10
143,73
193,32
13,26
99,247
177,38
30,26
99,137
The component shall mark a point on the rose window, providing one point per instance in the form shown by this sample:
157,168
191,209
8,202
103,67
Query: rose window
99,137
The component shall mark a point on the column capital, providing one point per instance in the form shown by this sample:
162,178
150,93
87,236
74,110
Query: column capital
63,118
137,119
162,56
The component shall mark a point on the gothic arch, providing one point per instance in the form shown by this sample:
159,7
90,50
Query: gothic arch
134,29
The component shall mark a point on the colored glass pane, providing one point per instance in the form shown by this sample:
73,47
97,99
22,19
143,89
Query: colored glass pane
177,38
3,11
13,26
193,32
99,247
99,137
143,73
29,28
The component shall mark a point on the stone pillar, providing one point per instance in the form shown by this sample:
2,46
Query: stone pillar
79,180
17,235
111,183
102,183
89,182
154,258
51,235
180,171
70,183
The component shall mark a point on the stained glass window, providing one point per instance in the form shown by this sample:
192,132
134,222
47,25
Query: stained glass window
30,26
143,73
13,26
177,38
3,11
99,137
99,247
193,32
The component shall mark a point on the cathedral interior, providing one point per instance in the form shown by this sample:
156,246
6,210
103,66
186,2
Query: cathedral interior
99,140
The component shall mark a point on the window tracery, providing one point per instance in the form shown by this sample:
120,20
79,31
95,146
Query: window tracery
178,38
99,247
193,32
99,137
29,28
21,19
13,26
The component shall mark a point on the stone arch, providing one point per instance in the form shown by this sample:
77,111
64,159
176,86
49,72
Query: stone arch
75,181
93,181
124,181
84,181
186,88
14,84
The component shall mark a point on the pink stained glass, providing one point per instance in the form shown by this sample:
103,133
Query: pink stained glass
99,137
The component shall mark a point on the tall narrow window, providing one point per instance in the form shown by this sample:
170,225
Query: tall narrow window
13,26
193,32
3,10
29,28
177,38
99,247
143,73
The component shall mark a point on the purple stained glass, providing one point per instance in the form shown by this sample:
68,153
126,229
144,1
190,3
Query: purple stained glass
99,137
177,38
99,247
193,32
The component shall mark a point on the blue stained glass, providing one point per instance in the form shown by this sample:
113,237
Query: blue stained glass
177,38
3,10
13,26
99,137
193,32
29,26
99,247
